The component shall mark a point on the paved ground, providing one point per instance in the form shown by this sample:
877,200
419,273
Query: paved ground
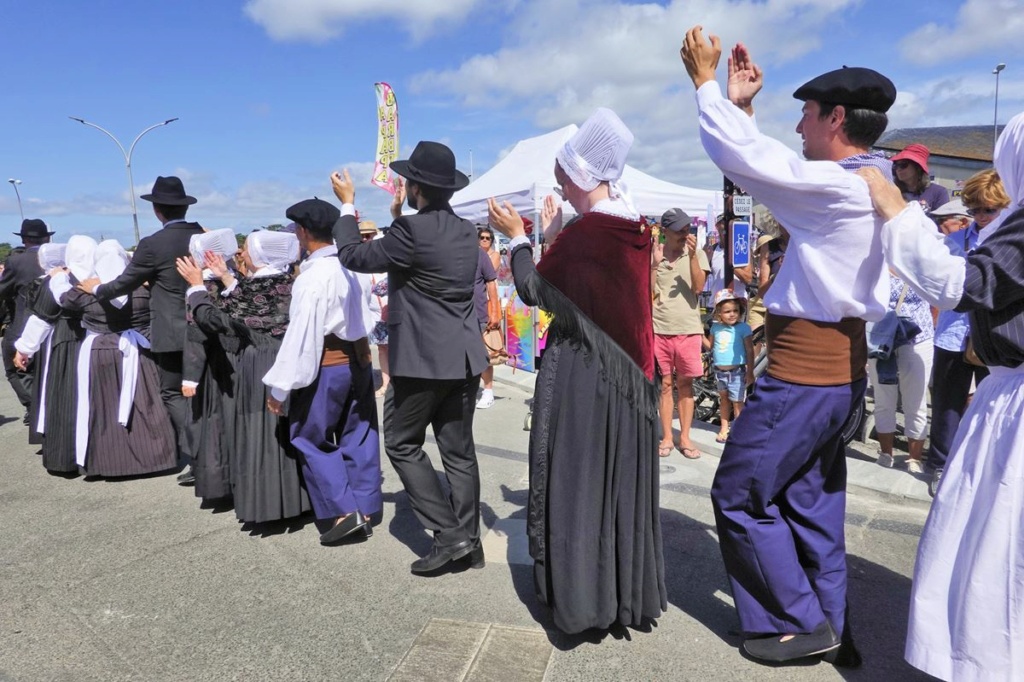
131,580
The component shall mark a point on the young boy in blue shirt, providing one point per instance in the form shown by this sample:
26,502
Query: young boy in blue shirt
732,351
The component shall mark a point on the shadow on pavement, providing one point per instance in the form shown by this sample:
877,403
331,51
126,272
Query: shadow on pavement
282,527
879,599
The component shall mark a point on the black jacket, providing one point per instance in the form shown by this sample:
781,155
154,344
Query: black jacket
431,260
153,262
20,268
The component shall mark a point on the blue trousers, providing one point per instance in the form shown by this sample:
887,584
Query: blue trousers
780,502
333,426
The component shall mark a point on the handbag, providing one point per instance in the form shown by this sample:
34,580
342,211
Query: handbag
494,343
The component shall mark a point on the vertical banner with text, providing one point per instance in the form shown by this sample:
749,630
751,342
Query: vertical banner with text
387,137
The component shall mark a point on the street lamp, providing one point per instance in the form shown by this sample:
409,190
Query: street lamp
995,115
127,160
14,184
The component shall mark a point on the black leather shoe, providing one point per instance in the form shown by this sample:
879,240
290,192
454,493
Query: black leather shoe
187,477
354,522
823,640
441,555
476,557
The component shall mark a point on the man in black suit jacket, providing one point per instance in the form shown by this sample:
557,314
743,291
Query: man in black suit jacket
434,345
154,262
20,268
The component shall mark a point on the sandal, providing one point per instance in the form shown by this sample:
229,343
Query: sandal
380,392
690,453
722,437
664,450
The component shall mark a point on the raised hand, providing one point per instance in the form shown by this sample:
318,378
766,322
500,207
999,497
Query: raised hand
216,263
745,78
551,215
343,187
505,219
399,199
699,56
189,271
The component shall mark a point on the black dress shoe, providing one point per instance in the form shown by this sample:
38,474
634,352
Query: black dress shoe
27,420
476,557
354,522
441,555
187,477
823,640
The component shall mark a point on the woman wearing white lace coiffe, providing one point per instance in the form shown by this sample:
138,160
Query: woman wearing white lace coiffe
967,603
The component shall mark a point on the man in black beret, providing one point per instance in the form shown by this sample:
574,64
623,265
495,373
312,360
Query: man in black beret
435,348
323,370
154,262
780,489
20,268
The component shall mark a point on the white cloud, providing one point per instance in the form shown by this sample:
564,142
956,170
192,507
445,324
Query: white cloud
322,20
564,58
981,27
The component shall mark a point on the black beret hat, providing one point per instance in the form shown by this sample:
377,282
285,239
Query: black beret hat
316,215
675,219
852,86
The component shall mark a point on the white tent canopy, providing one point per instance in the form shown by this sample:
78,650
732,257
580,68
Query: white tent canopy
527,175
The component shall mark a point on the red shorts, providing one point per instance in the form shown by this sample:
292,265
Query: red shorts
680,353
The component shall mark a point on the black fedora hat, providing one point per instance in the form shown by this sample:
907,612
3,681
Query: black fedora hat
170,192
34,228
431,164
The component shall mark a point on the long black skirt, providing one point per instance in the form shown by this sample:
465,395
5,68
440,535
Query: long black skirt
61,399
211,426
147,443
268,483
594,526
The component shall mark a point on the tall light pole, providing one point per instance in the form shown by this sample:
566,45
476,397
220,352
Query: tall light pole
127,160
995,115
14,184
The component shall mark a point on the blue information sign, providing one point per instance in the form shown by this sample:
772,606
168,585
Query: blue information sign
741,244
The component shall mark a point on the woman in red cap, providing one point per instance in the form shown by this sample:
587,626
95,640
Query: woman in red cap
910,168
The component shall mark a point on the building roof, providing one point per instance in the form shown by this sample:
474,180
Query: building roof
958,142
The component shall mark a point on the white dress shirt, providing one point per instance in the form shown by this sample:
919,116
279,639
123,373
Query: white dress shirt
922,257
326,299
834,266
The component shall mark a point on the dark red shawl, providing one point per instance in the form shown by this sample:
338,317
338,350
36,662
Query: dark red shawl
602,264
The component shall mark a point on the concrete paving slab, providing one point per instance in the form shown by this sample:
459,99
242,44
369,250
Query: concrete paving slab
443,652
510,653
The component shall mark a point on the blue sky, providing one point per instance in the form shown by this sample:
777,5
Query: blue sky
273,95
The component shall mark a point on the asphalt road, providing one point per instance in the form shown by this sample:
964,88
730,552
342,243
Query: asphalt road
132,580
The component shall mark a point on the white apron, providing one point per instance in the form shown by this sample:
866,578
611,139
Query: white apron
967,602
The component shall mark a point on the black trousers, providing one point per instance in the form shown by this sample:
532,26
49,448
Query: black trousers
951,384
448,406
21,382
169,366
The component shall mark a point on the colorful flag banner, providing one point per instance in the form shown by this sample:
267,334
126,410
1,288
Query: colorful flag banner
387,137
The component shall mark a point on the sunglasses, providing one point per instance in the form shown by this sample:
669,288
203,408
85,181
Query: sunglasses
902,163
485,238
987,211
